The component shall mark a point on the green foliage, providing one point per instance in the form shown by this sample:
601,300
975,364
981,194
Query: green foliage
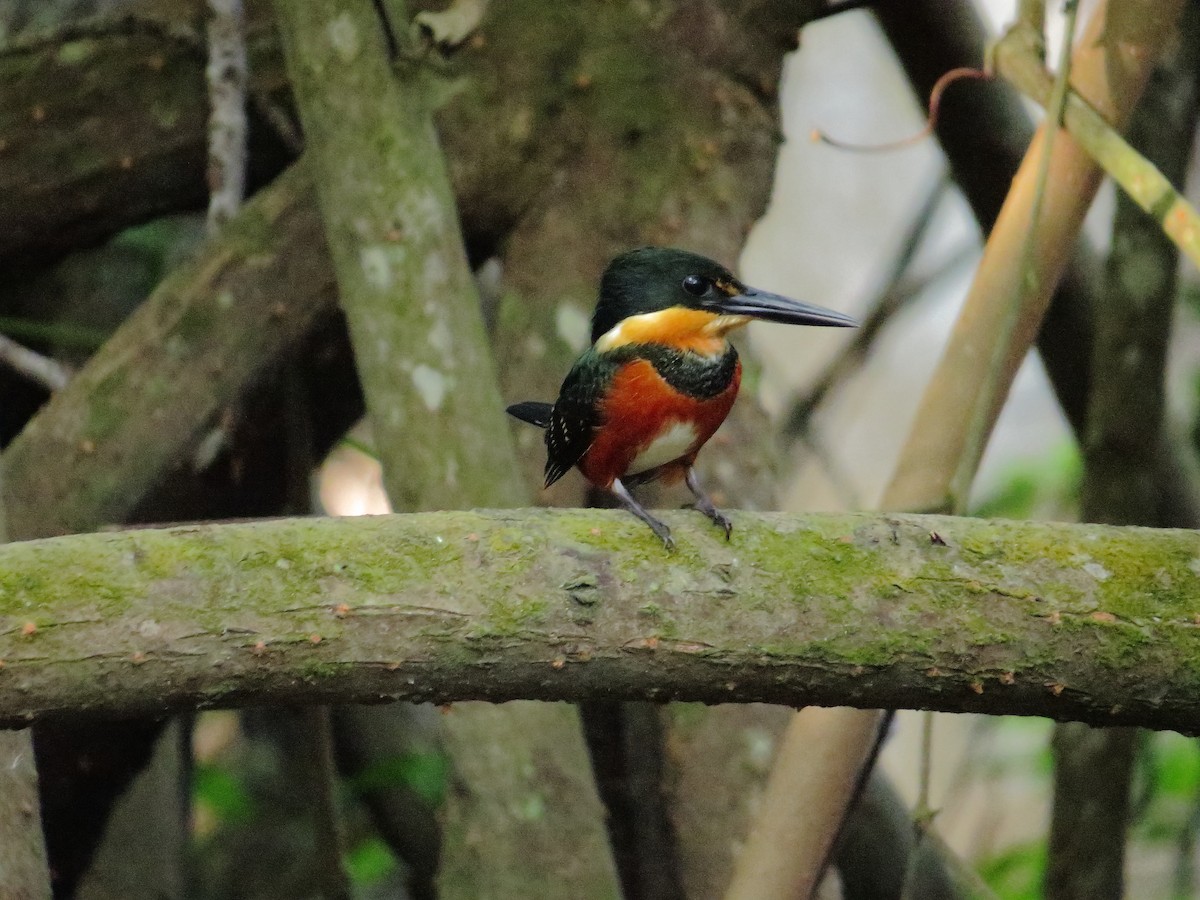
1171,769
426,774
1016,873
1046,488
370,862
218,792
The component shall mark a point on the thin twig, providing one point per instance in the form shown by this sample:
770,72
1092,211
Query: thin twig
891,297
226,74
931,118
923,812
49,373
1054,115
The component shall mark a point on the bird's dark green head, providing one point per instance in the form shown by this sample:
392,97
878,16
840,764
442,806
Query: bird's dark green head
652,279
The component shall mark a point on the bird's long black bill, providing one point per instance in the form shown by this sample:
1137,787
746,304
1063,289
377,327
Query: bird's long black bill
776,308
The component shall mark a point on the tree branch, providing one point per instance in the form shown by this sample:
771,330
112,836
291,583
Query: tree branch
1085,622
141,405
46,371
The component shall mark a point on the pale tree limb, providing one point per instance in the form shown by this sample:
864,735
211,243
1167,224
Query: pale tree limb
49,373
964,398
227,144
1094,769
436,412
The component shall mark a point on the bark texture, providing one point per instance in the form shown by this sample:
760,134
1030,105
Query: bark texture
403,279
1074,622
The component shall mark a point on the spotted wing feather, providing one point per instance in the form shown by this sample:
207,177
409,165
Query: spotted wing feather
576,414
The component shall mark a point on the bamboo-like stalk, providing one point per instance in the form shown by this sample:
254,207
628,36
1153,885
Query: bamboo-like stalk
1145,184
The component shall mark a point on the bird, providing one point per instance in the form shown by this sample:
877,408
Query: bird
659,377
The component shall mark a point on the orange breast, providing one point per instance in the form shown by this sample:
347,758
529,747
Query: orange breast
641,407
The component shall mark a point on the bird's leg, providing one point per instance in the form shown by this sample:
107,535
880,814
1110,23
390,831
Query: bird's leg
663,532
705,505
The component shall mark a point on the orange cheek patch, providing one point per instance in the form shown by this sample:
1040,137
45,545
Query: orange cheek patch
640,406
686,329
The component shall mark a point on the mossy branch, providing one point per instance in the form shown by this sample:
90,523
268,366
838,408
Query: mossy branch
1083,622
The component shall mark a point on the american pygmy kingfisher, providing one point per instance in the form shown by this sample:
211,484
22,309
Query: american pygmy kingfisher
660,376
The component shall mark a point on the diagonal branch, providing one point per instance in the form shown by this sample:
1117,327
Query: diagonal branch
142,404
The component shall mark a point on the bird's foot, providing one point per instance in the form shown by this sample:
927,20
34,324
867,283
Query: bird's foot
663,532
705,505
719,518
659,528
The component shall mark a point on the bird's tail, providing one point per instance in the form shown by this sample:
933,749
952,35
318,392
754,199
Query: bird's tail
533,412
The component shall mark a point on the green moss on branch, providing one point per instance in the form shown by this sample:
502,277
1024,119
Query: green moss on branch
1075,622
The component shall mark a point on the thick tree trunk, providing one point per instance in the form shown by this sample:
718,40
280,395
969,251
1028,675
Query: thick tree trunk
438,421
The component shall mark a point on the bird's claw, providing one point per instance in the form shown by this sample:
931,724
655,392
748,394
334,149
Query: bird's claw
724,522
664,534
718,518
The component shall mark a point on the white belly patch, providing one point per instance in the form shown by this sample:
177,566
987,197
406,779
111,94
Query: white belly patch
672,442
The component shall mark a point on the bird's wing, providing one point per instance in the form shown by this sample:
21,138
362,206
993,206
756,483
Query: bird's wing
576,414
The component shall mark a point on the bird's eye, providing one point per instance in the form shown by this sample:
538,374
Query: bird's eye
696,286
